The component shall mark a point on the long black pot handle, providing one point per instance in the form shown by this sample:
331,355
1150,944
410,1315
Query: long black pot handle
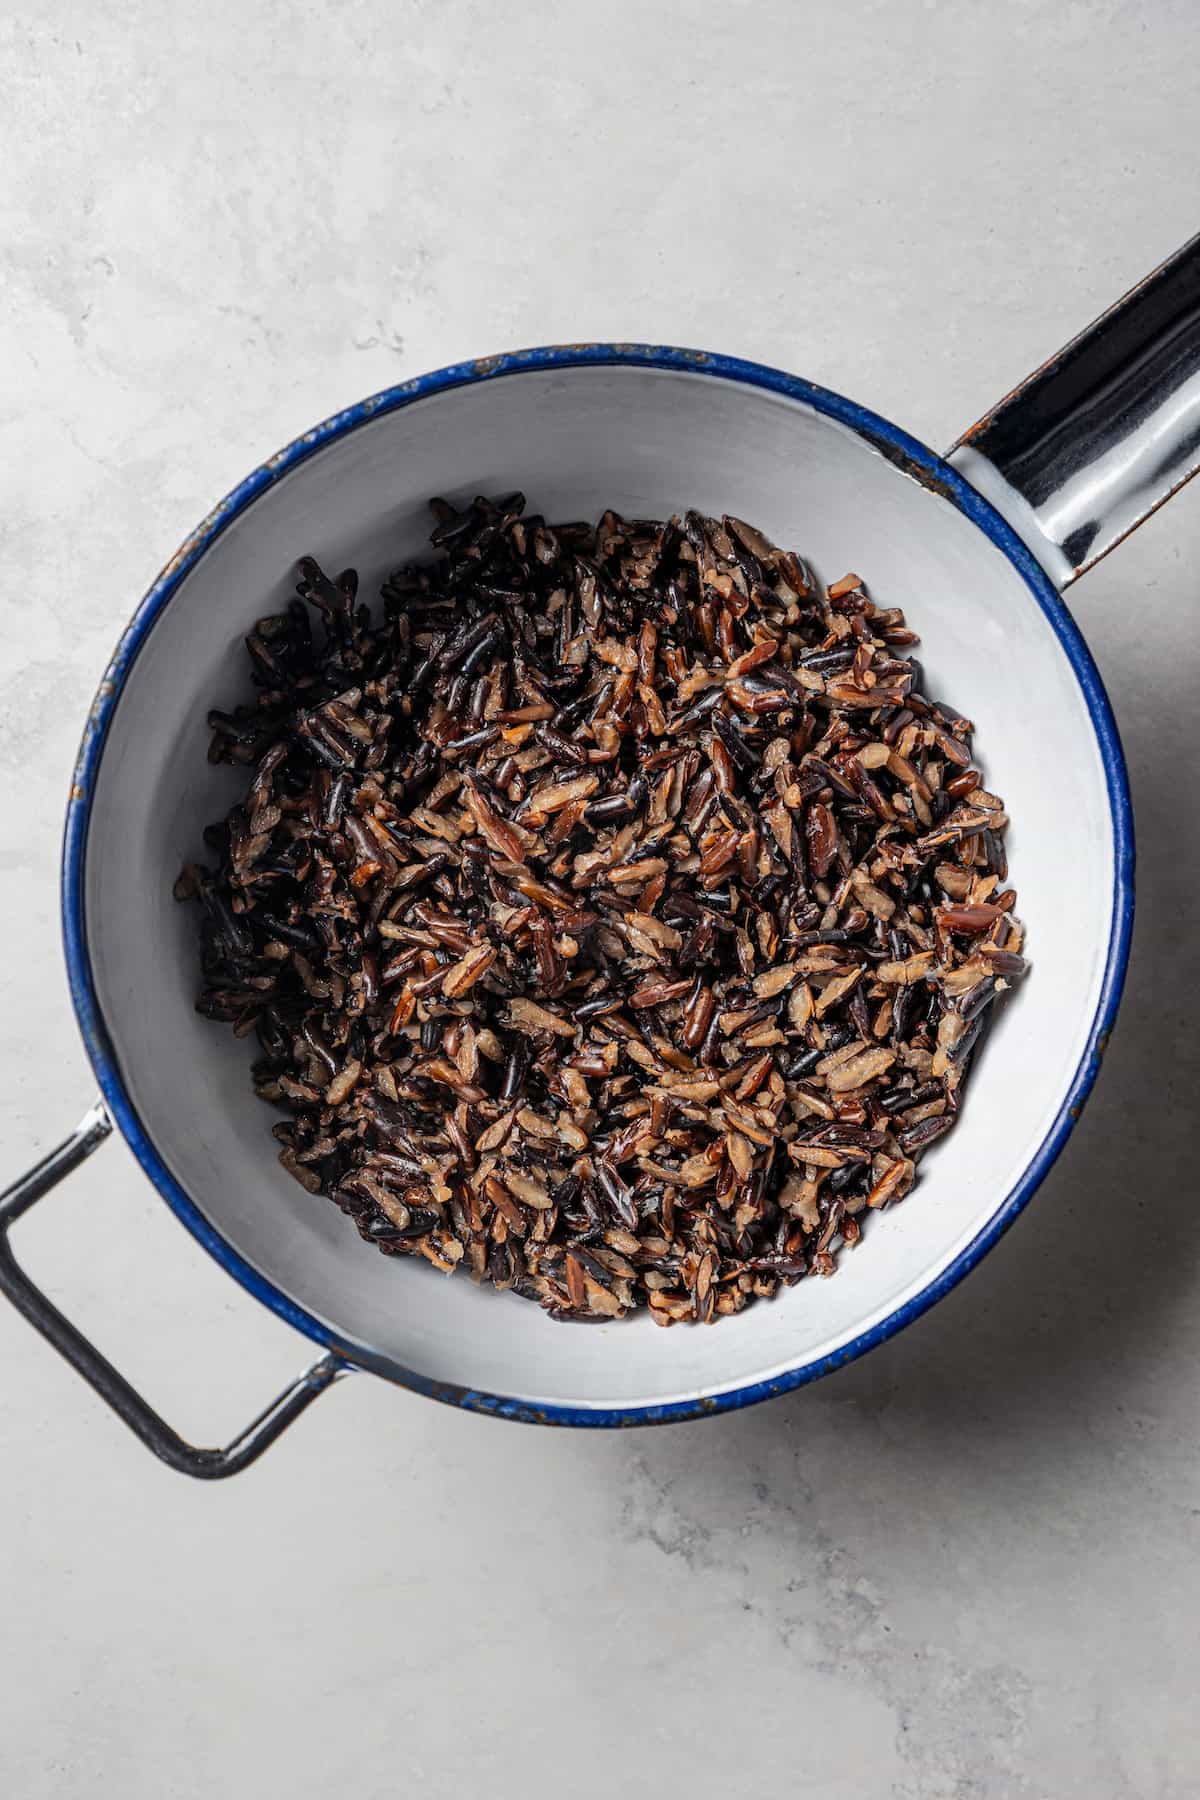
1090,444
126,1402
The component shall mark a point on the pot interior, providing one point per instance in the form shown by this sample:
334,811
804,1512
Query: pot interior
647,441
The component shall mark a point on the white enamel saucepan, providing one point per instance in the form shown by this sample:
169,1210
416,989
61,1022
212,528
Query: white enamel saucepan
976,547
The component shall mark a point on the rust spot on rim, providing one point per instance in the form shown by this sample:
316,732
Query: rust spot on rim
916,471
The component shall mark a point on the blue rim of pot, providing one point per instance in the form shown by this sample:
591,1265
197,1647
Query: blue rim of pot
923,466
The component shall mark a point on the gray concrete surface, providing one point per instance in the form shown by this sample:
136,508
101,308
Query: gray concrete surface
965,1567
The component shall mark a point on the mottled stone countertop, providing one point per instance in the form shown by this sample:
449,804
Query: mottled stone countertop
965,1566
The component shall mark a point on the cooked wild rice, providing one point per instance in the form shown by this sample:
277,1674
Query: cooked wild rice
616,918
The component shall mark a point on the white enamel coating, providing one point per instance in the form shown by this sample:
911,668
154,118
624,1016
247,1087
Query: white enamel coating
647,441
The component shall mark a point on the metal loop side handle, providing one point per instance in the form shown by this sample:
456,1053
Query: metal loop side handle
1090,444
126,1402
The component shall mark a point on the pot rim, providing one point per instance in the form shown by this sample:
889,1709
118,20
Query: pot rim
914,459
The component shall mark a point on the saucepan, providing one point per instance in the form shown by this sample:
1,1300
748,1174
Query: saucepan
977,546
